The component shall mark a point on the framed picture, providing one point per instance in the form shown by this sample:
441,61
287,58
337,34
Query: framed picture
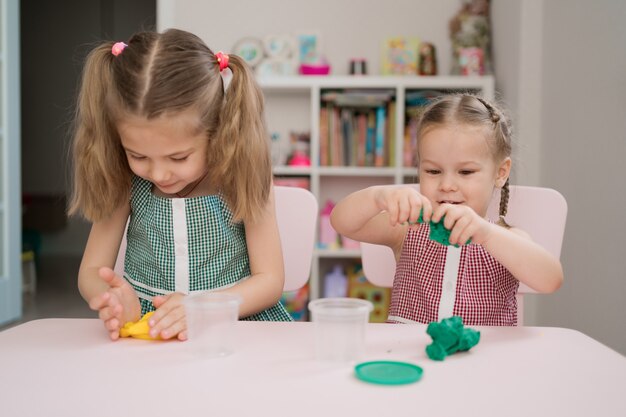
251,50
309,48
280,46
276,66
400,56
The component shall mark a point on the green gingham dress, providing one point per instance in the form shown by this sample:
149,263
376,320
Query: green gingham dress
185,245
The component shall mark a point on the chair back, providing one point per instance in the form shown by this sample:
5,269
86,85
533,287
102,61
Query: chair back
541,212
296,215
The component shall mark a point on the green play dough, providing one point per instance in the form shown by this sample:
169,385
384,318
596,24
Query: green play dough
438,231
450,336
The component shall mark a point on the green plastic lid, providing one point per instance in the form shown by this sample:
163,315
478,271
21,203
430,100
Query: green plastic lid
388,372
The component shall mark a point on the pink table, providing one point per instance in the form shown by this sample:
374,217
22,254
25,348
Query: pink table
68,367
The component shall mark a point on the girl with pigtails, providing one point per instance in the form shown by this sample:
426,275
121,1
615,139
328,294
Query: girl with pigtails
162,144
463,154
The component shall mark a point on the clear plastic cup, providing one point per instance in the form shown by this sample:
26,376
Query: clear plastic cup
340,328
211,318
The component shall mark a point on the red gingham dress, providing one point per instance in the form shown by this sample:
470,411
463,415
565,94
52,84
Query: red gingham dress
485,290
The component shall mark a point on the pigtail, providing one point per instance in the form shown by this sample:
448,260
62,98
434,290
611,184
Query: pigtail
240,150
101,174
504,205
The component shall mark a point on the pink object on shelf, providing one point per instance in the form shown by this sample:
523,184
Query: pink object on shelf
308,69
299,159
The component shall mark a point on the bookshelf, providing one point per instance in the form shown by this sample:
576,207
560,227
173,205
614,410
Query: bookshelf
294,104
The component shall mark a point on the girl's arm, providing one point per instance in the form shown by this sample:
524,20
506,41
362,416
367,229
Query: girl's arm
513,248
110,295
264,287
529,262
101,250
379,214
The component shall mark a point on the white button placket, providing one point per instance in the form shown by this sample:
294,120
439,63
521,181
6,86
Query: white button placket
448,287
181,246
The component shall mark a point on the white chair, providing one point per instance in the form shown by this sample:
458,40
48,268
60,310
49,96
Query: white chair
296,214
541,212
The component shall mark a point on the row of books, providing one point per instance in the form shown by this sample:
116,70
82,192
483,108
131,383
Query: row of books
416,102
357,128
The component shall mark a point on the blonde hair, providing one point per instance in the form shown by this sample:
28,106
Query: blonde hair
164,74
469,109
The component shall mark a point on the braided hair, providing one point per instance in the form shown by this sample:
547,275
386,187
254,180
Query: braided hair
505,127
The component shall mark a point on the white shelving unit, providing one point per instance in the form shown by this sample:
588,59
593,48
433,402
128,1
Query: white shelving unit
293,104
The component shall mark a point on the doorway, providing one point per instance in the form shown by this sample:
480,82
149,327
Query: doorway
50,72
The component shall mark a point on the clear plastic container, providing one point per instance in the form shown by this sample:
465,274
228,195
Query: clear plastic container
340,325
211,318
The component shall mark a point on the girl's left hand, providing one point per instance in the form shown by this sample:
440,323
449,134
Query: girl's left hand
168,320
464,224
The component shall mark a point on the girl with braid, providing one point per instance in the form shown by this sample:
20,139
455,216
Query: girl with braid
463,155
162,142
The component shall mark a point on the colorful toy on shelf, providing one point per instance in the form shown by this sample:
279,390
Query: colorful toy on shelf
471,61
470,33
449,336
300,143
360,287
400,56
323,68
427,59
296,302
299,159
312,61
336,283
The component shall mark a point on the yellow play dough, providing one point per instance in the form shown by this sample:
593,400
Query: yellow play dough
139,329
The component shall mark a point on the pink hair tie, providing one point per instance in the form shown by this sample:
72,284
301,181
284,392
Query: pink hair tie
118,48
222,60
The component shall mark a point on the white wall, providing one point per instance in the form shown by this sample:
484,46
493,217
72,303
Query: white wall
560,66
584,151
517,50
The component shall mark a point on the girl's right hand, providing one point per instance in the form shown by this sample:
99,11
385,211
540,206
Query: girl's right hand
116,306
403,204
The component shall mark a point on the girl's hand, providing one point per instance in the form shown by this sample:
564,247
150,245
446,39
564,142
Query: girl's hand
403,204
169,318
116,306
464,224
